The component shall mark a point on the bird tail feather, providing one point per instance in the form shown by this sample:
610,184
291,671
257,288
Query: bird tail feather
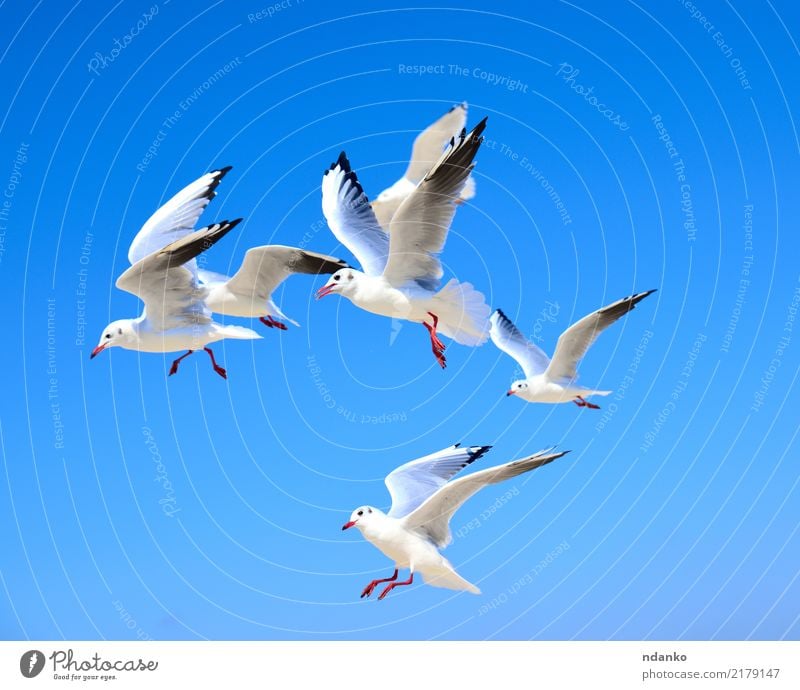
447,578
238,333
463,313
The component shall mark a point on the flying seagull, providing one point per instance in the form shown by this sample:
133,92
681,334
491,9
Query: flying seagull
401,268
423,502
554,380
175,316
427,149
249,292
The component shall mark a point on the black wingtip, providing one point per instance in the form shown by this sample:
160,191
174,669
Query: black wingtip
223,171
639,296
476,455
342,161
478,129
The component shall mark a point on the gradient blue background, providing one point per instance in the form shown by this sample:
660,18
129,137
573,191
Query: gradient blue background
695,536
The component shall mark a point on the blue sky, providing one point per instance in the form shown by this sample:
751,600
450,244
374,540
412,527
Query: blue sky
629,146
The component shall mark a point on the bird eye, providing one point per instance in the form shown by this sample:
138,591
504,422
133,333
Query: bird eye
360,512
336,277
108,335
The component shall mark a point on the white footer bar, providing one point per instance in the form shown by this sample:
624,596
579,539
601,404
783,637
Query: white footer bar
406,665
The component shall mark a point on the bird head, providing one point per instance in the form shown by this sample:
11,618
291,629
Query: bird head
343,282
116,334
518,387
362,517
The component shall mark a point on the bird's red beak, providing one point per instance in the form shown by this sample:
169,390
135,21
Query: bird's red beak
348,525
97,351
509,393
325,290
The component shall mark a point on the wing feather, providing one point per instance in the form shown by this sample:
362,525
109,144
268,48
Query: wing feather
432,518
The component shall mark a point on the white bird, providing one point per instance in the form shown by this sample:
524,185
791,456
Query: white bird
423,502
554,380
427,149
175,316
402,270
249,292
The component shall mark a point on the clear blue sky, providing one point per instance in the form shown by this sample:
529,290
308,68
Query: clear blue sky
628,147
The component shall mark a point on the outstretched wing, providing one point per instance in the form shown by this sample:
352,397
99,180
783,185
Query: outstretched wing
510,340
177,217
169,290
411,484
350,217
432,518
431,142
574,342
264,268
419,229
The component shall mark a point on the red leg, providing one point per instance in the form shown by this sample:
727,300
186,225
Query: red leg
372,585
273,323
391,586
437,346
580,402
174,368
217,367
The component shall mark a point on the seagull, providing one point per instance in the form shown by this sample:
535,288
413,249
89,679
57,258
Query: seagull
554,380
402,270
427,149
175,316
423,503
249,292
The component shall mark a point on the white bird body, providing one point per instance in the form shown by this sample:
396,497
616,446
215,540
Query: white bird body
414,552
541,389
144,336
402,270
423,502
175,316
249,292
555,380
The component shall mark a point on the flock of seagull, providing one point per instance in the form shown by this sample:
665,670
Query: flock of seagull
397,240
